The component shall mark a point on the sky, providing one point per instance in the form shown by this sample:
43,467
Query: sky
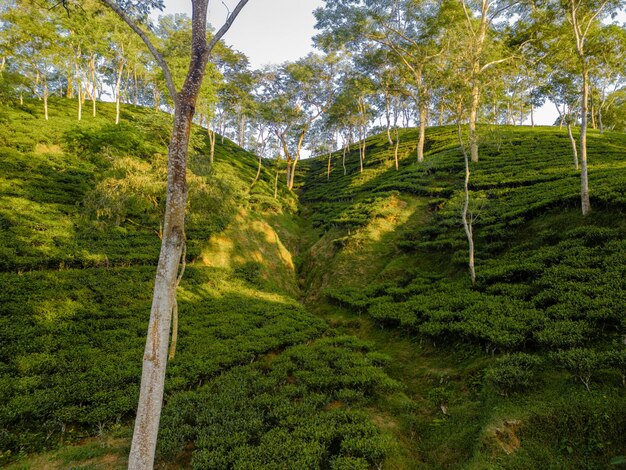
267,31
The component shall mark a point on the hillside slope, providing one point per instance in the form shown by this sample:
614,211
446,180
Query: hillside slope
80,212
336,329
498,372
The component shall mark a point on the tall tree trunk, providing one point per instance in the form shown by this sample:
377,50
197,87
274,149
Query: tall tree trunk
532,115
592,105
330,156
602,103
388,116
472,121
441,111
467,222
343,160
211,133
422,130
295,160
258,171
45,98
397,148
584,191
80,102
164,298
136,97
260,150
156,94
118,84
94,84
572,140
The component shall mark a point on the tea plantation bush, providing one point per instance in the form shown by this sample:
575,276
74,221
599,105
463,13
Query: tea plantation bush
80,219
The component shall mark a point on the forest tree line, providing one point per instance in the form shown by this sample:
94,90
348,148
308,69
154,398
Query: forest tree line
384,65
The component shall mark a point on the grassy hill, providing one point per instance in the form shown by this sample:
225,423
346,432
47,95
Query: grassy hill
336,328
498,372
80,208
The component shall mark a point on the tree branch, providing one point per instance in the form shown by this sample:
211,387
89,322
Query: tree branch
171,88
225,27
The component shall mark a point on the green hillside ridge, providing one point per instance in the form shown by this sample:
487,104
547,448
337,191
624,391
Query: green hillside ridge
80,218
332,328
495,371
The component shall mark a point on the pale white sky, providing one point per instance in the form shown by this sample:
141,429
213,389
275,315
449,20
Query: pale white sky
267,31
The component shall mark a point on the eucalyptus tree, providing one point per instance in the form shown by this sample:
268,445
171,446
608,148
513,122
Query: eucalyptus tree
345,116
124,50
482,41
235,99
580,21
32,33
610,68
407,29
614,116
296,95
164,305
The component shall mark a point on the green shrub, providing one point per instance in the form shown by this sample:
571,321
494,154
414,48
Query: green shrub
582,363
513,373
617,360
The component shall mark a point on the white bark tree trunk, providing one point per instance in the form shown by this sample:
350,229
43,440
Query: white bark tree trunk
472,121
584,187
467,222
422,130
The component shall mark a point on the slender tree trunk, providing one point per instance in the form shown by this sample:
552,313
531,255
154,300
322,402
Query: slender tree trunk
45,98
241,135
584,193
532,115
388,117
118,98
422,130
80,102
467,222
472,121
260,150
593,112
276,183
258,171
441,111
397,148
361,148
212,139
136,97
70,83
572,140
602,102
94,84
295,161
156,97
330,156
561,116
343,160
